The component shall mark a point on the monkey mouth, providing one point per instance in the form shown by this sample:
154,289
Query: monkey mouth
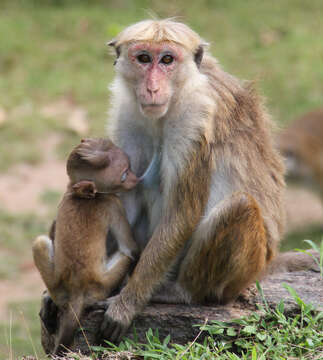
153,105
154,110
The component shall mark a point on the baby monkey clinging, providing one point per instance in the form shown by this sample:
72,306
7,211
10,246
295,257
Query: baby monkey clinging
75,266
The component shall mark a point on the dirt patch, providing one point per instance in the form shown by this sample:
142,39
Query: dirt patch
23,185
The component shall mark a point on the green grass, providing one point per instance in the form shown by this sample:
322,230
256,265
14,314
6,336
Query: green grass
51,49
21,335
266,335
54,48
16,235
295,239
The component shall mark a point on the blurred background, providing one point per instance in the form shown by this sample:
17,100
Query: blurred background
54,71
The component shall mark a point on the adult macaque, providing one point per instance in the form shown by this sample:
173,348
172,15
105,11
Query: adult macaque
210,218
76,269
301,143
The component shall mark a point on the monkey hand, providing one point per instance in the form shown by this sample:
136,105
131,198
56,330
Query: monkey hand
117,318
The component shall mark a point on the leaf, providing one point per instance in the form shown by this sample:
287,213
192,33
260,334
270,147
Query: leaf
231,331
233,356
261,336
312,244
151,355
281,307
294,294
254,353
319,316
309,342
249,329
166,340
259,288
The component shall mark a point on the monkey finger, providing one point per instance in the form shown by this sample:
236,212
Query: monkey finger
116,335
108,326
100,305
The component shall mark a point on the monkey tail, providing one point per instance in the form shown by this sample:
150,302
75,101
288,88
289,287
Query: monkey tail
68,323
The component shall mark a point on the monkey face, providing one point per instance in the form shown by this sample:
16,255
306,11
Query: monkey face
116,176
98,166
152,69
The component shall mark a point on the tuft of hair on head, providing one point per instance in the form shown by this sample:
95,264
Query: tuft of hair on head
160,31
90,152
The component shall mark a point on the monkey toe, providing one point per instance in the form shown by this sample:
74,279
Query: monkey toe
111,330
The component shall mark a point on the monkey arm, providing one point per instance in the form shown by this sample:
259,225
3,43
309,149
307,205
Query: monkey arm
182,211
121,231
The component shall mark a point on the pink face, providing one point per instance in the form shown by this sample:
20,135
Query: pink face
155,66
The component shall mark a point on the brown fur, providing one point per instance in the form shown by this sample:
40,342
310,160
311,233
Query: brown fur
216,216
210,214
301,143
76,269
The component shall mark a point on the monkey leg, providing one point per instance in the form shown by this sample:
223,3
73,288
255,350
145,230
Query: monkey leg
43,254
228,251
117,268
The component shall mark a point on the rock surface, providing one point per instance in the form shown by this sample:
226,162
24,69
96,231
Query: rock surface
178,320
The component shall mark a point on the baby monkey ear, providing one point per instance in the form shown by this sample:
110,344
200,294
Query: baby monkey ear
85,189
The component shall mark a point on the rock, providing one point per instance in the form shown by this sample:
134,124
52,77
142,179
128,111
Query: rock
178,320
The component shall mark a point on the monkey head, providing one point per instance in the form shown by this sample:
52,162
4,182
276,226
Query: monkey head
150,55
98,166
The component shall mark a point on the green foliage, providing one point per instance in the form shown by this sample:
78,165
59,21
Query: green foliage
19,231
268,334
55,48
16,236
315,247
20,335
295,239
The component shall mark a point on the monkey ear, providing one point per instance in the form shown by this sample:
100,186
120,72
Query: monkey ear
113,43
198,56
85,189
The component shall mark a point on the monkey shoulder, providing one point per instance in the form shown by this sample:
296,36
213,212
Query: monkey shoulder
115,206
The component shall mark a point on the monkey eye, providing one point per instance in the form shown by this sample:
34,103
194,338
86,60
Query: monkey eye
144,58
167,59
124,176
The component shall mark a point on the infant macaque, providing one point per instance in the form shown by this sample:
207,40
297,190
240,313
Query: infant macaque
75,266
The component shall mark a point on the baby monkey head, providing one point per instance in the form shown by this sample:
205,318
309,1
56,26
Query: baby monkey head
98,166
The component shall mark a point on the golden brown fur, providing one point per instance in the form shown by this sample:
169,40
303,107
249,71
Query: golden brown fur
76,269
214,218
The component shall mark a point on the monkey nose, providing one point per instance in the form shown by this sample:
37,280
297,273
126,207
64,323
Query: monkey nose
152,91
